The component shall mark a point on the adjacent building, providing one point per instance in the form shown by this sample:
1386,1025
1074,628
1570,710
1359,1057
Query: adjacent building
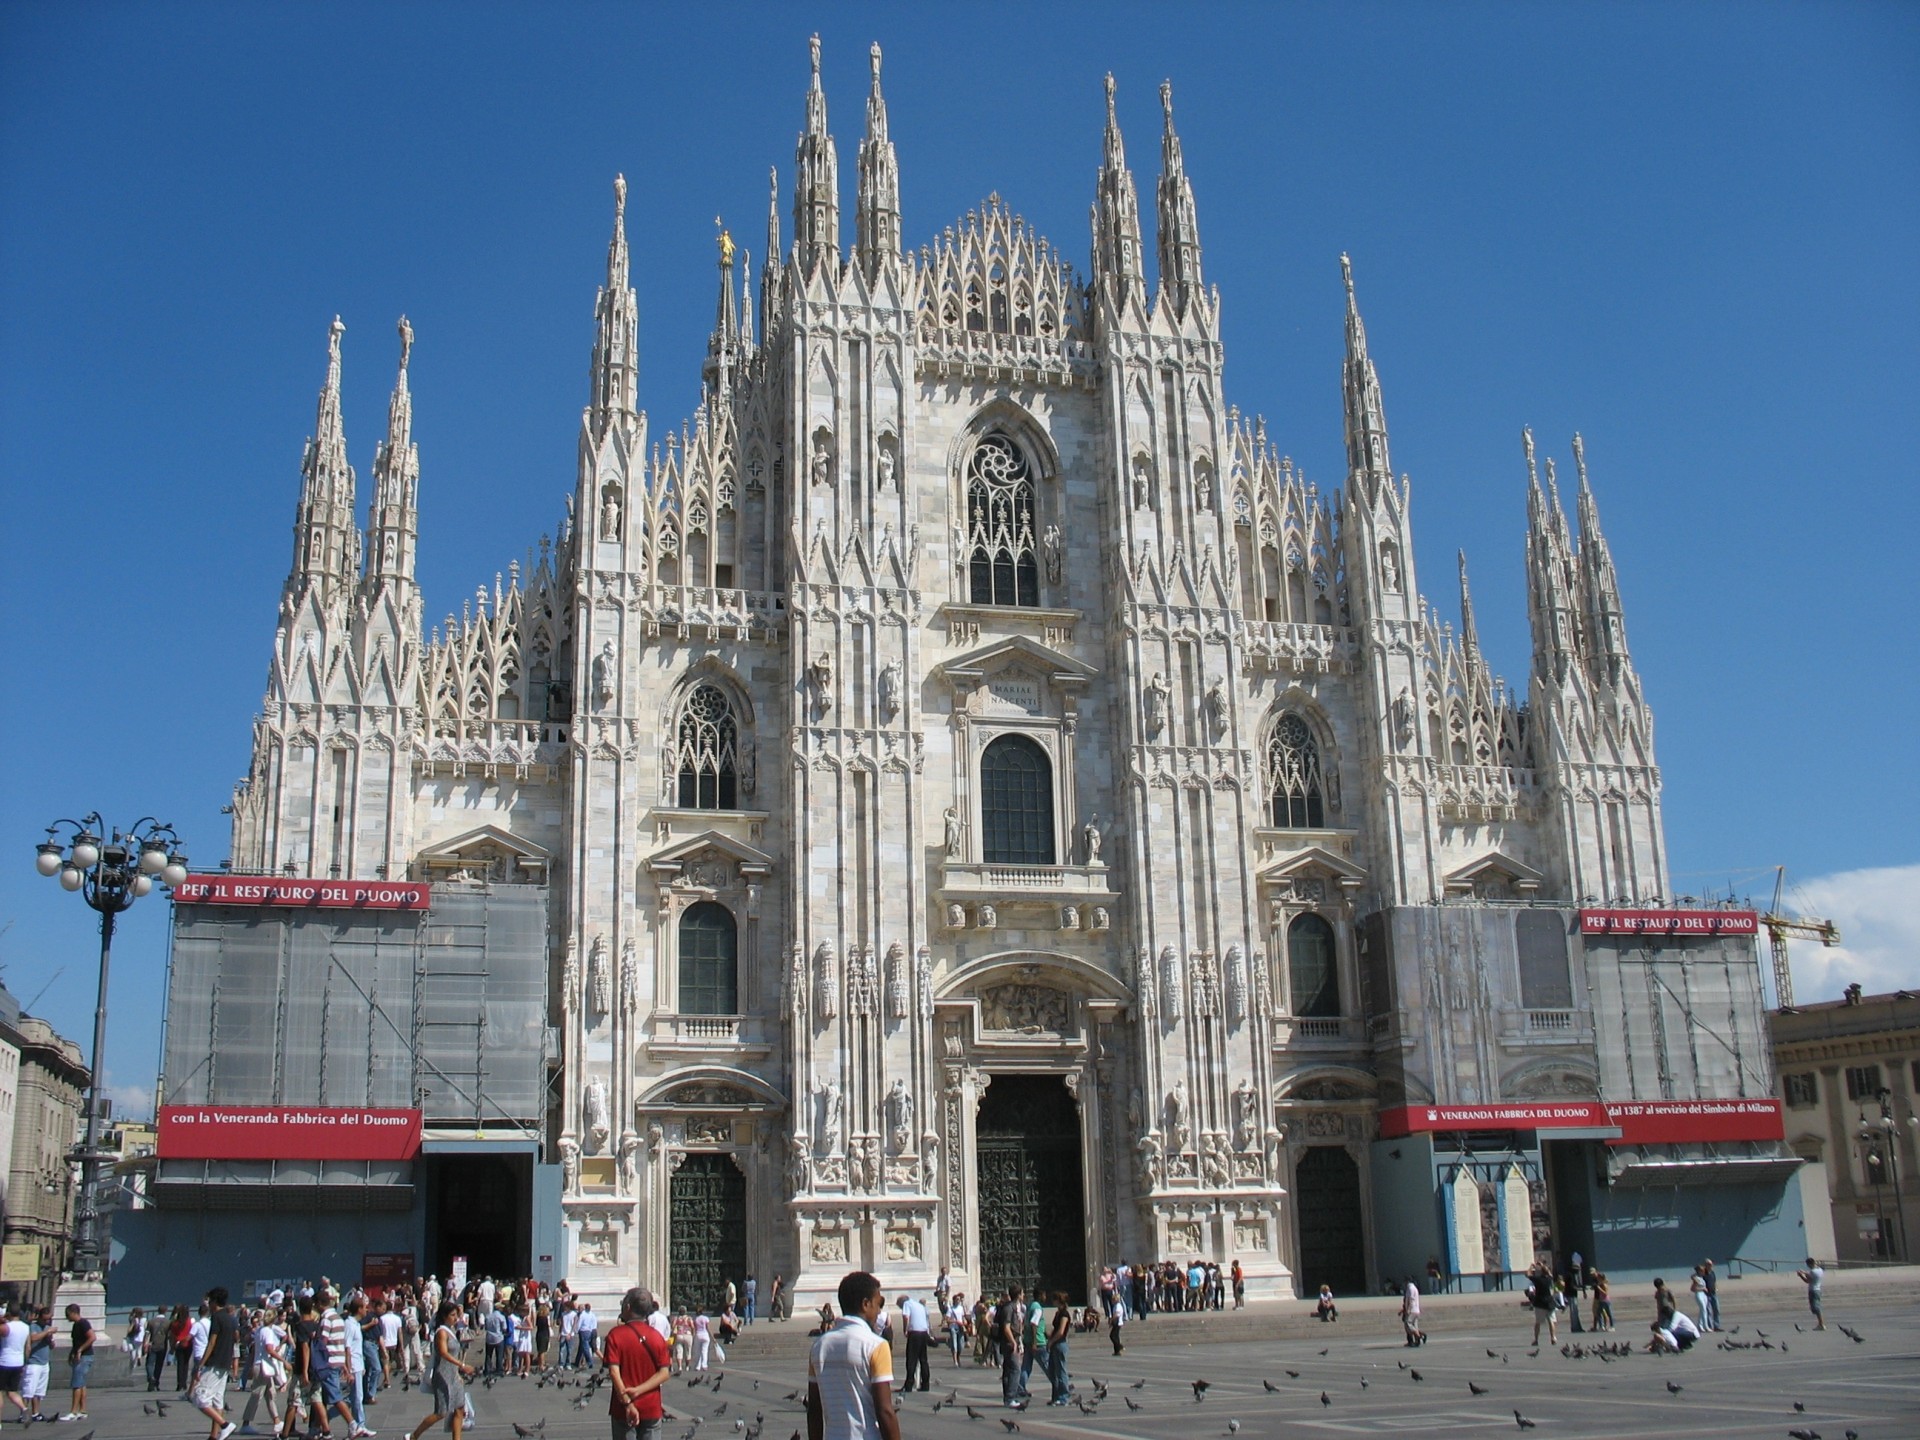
50,1084
964,798
1850,1075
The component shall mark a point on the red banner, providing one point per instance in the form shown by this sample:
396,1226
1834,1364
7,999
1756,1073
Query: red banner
1641,1122
303,894
1669,922
287,1132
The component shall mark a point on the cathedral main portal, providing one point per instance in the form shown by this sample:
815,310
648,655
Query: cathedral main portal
1027,1167
707,1245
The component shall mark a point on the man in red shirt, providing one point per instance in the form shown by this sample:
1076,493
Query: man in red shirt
636,1360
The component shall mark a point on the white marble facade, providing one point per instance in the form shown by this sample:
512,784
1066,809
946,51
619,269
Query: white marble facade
759,668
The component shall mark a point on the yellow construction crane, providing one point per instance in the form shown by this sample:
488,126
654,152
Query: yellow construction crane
1780,926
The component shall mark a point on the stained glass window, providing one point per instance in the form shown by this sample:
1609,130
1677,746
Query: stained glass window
707,742
709,963
1002,566
1310,963
1016,803
1293,777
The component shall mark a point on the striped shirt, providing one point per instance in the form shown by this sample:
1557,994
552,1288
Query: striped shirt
847,1362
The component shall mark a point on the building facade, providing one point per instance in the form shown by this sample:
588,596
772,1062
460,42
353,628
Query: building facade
43,1183
991,809
1850,1075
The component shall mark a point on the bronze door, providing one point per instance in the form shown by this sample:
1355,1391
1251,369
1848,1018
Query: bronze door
707,1242
1027,1164
1326,1198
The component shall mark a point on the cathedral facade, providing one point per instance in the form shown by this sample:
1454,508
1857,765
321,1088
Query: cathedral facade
994,812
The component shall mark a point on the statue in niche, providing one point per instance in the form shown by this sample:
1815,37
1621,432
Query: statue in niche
599,984
1213,1164
746,764
884,466
656,1139
569,1163
832,1103
900,1117
960,556
1147,1149
897,981
827,984
1157,696
1142,482
1069,917
956,917
629,1162
1051,549
1101,920
930,1161
610,516
820,462
797,982
956,832
1215,705
1179,1131
820,681
799,1163
1389,571
1090,836
599,1122
603,664
989,917
1403,718
1202,489
1145,986
1246,1114
890,690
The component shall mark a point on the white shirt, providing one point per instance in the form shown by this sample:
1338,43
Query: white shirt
199,1331
390,1329
589,1323
356,1349
569,1323
1682,1326
13,1345
846,1363
661,1325
1412,1298
915,1316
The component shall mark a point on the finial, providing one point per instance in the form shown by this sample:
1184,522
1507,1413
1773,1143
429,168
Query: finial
619,197
334,332
1166,101
1111,119
1526,441
1580,458
406,343
1346,273
726,242
873,58
813,51
1553,483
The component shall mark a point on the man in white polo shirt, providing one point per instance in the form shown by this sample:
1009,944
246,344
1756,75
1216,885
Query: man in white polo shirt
850,1377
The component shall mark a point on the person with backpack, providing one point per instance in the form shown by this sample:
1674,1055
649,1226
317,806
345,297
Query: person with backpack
1543,1295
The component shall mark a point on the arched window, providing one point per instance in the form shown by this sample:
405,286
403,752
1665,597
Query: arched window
709,961
1002,567
1293,776
706,746
1310,963
1016,803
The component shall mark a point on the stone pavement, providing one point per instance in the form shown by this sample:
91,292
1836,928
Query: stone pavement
1871,1386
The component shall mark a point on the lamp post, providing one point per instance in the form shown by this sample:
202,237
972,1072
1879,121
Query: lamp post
109,874
1889,1147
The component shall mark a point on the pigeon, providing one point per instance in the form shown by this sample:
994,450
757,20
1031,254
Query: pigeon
1852,1435
718,1377
720,1409
1233,1427
160,1408
1293,1374
1131,1403
1802,1409
1323,1352
936,1407
1804,1434
1012,1427
523,1431
145,1408
1200,1388
1085,1408
1138,1385
741,1424
87,1436
1364,1382
973,1414
1522,1421
1493,1354
1401,1363
1474,1389
1325,1399
1673,1389
1416,1375
1534,1354
953,1396
795,1395
1021,1403
1271,1387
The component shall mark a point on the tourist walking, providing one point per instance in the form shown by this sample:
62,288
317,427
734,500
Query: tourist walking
955,1316
39,1367
913,1315
79,1361
14,1334
447,1375
269,1371
216,1364
1543,1295
1410,1314
1816,1279
850,1370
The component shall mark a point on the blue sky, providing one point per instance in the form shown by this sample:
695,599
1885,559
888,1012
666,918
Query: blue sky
1686,231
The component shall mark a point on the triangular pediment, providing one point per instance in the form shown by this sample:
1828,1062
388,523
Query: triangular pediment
1316,860
677,857
977,666
484,853
1495,865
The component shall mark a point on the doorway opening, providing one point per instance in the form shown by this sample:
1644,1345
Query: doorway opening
1033,1230
707,1234
1326,1200
480,1207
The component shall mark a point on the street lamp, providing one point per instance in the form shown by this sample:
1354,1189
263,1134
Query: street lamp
1886,1157
109,874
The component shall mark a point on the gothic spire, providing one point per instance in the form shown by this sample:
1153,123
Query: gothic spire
1179,231
1116,212
1606,620
877,220
326,533
1550,578
616,340
393,527
770,268
723,344
746,301
1469,627
1368,465
816,181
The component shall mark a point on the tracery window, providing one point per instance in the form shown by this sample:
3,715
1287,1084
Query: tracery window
1294,785
709,961
1315,982
706,743
1016,803
1003,568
